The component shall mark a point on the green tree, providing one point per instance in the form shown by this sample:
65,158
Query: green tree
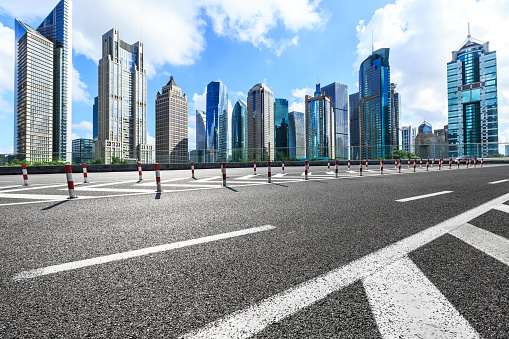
401,154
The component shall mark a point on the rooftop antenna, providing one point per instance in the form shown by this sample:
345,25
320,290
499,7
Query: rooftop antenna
469,36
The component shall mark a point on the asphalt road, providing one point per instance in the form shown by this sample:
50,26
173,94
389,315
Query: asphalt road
319,258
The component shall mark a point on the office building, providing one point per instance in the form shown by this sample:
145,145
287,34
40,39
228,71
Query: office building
296,135
281,128
507,150
260,123
122,101
377,127
95,117
319,117
426,142
201,143
408,135
171,124
395,115
239,131
32,76
83,150
472,100
338,94
216,132
355,137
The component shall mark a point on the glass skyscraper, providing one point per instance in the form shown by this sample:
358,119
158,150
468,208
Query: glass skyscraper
281,127
395,114
338,94
57,28
95,117
472,100
239,131
296,135
260,122
201,143
377,128
408,135
216,133
354,126
320,139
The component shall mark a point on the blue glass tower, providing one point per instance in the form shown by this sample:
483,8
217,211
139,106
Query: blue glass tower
338,94
216,133
472,100
296,135
95,118
281,127
354,126
377,128
319,117
239,131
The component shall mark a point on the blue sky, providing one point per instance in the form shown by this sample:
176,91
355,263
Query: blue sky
287,44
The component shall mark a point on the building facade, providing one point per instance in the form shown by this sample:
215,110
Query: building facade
122,101
296,135
425,142
355,137
201,140
378,131
472,100
239,131
171,124
395,115
216,133
338,94
319,117
408,135
95,117
260,123
83,150
281,128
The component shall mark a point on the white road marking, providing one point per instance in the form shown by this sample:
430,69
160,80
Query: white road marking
498,182
246,177
112,183
245,323
424,196
406,304
136,253
208,179
28,202
33,196
485,241
304,174
153,183
503,208
107,189
14,186
279,175
33,188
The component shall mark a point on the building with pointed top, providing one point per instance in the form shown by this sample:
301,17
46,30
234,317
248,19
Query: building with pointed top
171,125
216,133
239,131
472,100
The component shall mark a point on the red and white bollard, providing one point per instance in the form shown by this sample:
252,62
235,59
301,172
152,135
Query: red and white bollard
283,167
433,162
269,172
337,168
475,162
366,164
482,161
159,189
399,167
408,162
306,167
360,168
254,168
140,174
458,164
223,170
85,174
70,182
328,165
420,164
192,169
414,165
382,166
348,165
395,163
450,163
439,165
25,174
427,166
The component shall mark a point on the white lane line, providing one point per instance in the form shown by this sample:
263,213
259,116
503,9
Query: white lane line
503,208
7,187
406,304
153,183
107,189
498,182
485,241
423,196
28,202
33,196
245,177
245,323
20,190
208,179
136,253
303,174
112,183
279,175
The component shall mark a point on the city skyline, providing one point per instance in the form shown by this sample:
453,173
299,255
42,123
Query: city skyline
270,66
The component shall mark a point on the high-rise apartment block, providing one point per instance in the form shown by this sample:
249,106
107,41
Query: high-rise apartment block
354,126
472,100
239,131
395,115
217,121
171,124
122,113
260,122
408,135
281,128
43,95
319,117
296,135
338,94
378,130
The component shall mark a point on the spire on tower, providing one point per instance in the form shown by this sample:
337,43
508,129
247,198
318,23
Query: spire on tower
469,36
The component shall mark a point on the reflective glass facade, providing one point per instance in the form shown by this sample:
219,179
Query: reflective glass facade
408,135
319,119
217,121
472,100
377,128
281,127
395,114
296,135
260,122
354,126
239,131
338,93
83,150
95,117
201,144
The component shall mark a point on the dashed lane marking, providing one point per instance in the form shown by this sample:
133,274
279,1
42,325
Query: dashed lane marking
406,304
498,182
247,322
136,253
423,196
208,179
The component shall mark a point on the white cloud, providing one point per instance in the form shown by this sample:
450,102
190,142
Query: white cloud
79,89
6,58
298,102
83,126
199,101
7,150
421,35
151,141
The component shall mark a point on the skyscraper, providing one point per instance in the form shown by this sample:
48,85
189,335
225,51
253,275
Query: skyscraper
395,115
95,117
82,150
377,128
319,117
281,127
472,100
57,28
201,143
122,114
354,126
239,131
338,94
260,122
297,135
217,121
408,135
171,124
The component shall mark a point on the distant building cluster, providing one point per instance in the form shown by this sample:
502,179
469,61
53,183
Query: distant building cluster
333,125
